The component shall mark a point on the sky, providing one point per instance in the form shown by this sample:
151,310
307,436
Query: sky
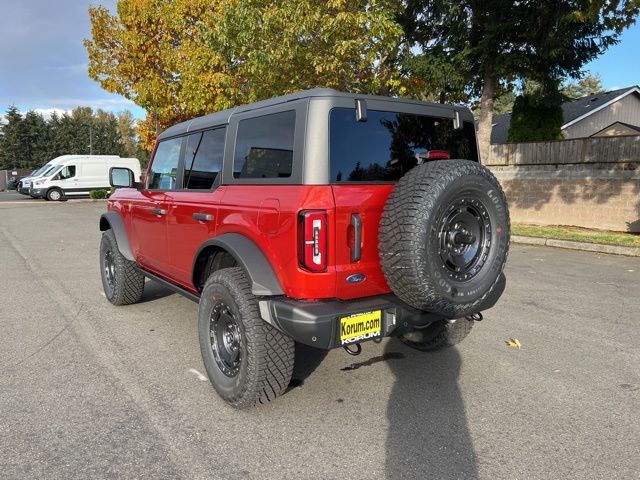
43,63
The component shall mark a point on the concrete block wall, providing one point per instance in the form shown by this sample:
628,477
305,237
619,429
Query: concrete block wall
584,183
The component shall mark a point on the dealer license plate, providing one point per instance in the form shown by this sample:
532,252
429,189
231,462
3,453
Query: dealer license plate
360,326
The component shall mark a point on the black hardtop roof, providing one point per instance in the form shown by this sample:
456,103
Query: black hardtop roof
222,117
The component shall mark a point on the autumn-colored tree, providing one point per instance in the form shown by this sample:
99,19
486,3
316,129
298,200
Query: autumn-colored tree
183,58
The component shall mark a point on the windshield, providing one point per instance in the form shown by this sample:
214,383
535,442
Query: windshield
389,144
49,171
42,169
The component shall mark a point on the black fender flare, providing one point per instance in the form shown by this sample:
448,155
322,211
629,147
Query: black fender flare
264,281
113,221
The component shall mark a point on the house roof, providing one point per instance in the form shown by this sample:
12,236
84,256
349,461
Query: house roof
572,112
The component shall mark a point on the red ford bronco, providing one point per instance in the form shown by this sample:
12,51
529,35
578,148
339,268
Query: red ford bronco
320,217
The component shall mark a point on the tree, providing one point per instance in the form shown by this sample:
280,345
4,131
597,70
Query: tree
183,58
12,139
497,41
587,85
36,140
537,115
127,132
503,103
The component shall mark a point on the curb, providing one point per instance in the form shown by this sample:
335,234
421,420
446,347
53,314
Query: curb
571,245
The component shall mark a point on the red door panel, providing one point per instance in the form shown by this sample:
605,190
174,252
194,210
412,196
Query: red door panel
149,225
191,221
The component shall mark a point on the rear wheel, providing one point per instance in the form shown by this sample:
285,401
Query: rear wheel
438,335
247,360
123,284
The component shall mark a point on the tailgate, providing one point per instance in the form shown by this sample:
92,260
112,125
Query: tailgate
358,204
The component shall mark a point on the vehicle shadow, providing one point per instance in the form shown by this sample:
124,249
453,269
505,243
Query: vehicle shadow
154,291
428,435
307,359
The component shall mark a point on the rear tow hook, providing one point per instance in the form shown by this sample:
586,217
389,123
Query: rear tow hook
475,317
355,352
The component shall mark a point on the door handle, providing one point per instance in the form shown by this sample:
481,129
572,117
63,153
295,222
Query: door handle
159,211
356,249
203,217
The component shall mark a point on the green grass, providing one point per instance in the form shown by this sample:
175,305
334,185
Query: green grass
578,234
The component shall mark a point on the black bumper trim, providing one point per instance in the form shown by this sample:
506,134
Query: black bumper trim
316,323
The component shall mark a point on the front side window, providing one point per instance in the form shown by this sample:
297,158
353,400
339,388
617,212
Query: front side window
264,146
68,171
389,144
164,167
203,159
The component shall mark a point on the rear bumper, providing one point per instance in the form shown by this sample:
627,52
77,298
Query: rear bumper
318,323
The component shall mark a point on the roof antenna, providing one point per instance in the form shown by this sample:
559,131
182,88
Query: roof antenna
361,110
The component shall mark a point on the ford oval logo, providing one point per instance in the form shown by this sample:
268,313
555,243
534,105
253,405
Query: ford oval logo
356,278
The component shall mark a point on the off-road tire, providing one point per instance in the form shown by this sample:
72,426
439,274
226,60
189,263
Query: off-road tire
411,239
128,286
438,335
266,354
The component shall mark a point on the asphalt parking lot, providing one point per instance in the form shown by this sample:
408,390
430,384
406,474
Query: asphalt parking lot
88,390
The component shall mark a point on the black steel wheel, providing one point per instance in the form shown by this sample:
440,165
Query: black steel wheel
247,360
464,234
122,282
444,237
226,340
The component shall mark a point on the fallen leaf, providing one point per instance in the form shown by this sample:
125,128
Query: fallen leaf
631,270
514,343
557,370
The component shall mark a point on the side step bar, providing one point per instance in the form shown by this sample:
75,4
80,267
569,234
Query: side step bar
165,283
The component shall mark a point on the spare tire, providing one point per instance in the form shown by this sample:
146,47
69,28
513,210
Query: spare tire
444,237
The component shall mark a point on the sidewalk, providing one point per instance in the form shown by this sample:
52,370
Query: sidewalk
573,245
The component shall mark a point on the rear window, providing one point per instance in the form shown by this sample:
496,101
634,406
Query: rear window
389,144
264,146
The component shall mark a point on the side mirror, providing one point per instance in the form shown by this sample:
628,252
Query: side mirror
120,177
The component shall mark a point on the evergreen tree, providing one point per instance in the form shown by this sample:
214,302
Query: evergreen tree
587,85
537,115
11,139
36,140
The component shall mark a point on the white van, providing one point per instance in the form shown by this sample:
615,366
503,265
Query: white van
24,186
77,175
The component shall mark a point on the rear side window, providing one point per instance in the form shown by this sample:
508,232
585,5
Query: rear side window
389,144
264,146
203,159
164,167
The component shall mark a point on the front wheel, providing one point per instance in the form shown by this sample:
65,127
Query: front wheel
55,195
122,282
247,360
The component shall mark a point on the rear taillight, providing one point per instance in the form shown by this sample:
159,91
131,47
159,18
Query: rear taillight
438,155
312,234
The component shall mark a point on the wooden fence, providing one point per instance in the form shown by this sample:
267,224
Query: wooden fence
564,152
